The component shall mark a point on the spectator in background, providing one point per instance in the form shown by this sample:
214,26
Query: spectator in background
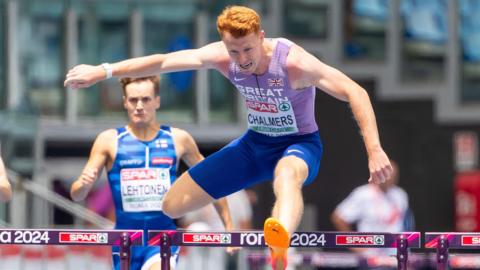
5,187
375,208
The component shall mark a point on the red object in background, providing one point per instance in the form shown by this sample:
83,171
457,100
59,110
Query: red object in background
465,150
467,201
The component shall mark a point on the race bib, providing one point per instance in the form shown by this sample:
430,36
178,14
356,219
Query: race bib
143,189
271,119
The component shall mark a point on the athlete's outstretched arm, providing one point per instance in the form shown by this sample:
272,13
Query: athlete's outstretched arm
191,156
307,70
93,169
5,187
83,76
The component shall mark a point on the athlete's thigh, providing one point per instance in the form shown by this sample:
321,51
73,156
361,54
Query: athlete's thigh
291,168
310,152
184,196
232,168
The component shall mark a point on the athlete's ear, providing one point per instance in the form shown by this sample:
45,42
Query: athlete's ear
125,102
261,34
157,100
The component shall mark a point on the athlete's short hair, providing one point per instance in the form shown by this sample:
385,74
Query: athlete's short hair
239,21
154,79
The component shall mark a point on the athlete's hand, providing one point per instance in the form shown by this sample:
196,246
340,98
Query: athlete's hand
83,76
89,176
379,166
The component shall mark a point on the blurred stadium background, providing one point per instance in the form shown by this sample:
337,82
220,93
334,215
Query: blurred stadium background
419,60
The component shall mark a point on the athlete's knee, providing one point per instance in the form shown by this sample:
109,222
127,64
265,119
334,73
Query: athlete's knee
282,185
169,210
291,169
170,207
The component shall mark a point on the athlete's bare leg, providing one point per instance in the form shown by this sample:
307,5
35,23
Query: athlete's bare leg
290,174
184,196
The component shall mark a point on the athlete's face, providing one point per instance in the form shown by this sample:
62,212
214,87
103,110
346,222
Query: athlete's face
245,51
141,103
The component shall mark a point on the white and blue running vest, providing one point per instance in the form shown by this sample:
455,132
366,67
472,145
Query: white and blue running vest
141,174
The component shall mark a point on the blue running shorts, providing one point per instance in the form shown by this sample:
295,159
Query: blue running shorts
251,159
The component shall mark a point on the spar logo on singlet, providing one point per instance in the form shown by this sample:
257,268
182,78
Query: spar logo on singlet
262,106
139,174
207,238
360,240
470,240
83,238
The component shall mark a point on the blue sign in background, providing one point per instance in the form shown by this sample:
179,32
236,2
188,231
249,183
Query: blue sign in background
180,80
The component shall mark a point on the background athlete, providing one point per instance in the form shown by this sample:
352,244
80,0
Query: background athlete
278,80
375,208
141,160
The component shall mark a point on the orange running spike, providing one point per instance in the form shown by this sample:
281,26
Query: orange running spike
277,238
275,234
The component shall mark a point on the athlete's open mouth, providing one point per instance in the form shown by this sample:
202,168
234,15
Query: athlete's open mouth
246,66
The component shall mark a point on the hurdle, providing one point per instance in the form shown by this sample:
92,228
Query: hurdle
442,242
122,238
343,259
402,241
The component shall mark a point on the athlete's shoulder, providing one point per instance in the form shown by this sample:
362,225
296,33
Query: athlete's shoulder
296,57
107,135
184,142
298,64
180,134
400,191
285,41
308,69
105,143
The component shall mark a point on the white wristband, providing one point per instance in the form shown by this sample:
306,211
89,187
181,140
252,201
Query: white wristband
108,70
